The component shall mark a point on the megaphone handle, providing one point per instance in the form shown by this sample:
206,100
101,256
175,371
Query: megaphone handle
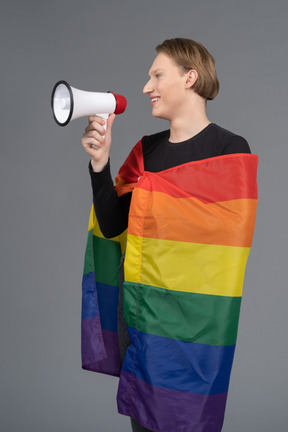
105,117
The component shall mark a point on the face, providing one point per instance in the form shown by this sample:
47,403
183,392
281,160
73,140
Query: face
166,88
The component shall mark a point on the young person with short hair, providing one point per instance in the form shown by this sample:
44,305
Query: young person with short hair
160,360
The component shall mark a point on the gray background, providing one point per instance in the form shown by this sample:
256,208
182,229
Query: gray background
46,196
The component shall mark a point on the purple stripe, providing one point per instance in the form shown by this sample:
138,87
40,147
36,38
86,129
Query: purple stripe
164,410
92,344
100,350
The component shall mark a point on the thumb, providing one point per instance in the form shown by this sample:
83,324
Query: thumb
109,123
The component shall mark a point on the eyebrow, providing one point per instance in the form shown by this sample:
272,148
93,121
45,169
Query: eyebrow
153,72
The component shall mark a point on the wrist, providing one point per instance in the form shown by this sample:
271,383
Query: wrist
98,166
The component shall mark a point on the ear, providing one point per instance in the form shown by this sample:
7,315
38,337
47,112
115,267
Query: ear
191,78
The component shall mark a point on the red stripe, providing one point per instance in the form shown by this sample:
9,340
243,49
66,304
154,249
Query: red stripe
221,178
133,166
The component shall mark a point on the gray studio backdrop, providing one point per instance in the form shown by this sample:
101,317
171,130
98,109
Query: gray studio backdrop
46,196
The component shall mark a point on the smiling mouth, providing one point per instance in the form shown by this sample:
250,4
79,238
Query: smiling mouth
153,100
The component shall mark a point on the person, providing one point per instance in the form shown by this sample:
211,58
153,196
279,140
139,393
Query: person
182,79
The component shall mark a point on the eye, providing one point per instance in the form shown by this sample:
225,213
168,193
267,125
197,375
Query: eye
158,75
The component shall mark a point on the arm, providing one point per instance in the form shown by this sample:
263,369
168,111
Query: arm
111,211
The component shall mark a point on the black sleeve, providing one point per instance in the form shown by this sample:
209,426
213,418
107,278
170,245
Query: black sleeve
111,211
236,144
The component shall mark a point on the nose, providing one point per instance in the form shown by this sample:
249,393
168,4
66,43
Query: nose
148,87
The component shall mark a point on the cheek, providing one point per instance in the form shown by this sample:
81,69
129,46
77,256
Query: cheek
167,92
173,95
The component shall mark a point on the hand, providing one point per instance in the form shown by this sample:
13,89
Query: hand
97,142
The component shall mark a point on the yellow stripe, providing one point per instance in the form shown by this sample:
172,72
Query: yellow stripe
188,267
93,224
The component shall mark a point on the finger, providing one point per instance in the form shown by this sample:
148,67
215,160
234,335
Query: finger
90,142
95,126
95,135
96,118
110,121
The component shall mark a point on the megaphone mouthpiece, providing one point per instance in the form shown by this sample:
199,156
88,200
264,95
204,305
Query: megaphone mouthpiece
69,103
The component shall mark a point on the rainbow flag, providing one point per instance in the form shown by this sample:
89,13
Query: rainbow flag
189,236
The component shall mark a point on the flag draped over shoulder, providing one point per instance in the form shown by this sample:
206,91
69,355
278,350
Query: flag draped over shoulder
189,235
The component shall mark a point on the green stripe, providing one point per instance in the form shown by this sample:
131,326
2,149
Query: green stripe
88,263
200,318
107,254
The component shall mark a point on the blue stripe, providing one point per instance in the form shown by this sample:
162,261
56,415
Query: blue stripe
108,304
107,296
89,297
183,366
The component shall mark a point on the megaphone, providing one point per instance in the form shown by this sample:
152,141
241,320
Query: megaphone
69,103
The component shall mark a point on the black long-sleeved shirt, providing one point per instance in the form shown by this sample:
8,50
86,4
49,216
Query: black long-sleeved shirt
159,154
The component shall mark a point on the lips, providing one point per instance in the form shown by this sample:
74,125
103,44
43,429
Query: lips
154,99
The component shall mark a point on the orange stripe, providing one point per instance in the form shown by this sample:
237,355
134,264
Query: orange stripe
122,187
229,223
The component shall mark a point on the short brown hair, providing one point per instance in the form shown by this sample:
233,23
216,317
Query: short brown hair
192,55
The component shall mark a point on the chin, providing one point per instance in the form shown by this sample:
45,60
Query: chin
159,115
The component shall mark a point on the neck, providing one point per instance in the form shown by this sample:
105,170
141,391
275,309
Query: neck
190,122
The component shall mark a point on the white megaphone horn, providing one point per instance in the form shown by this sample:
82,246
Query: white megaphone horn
69,103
